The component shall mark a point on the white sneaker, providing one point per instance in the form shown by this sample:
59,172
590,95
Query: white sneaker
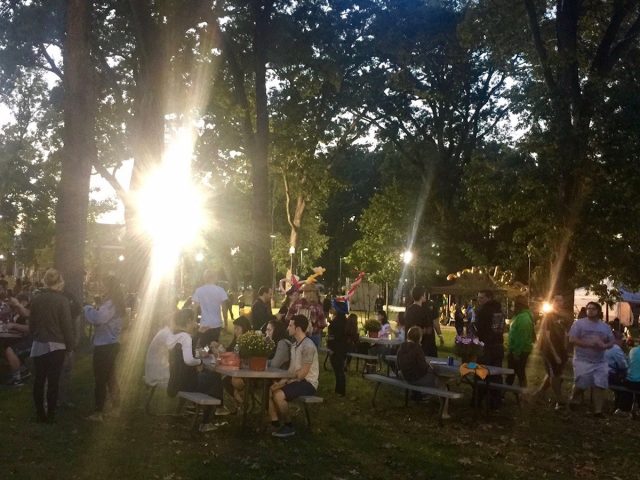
96,417
206,427
222,411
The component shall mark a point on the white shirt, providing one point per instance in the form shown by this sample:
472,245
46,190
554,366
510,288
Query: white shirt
210,297
156,365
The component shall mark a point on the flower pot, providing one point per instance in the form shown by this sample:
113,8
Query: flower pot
258,364
373,334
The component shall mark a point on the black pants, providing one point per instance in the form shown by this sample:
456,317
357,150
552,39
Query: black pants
104,370
494,356
208,336
47,370
211,384
338,360
624,400
519,365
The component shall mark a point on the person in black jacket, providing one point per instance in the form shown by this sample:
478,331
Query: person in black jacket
51,326
490,328
337,342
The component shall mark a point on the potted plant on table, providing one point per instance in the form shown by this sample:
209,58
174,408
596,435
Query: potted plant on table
468,348
372,327
256,347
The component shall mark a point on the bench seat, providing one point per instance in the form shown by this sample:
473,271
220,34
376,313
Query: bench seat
406,386
199,399
306,400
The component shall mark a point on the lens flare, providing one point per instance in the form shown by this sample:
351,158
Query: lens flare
171,208
547,307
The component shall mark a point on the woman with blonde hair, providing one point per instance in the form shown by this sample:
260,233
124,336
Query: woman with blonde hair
51,326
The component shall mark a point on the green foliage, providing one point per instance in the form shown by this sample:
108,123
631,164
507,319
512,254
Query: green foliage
372,325
255,344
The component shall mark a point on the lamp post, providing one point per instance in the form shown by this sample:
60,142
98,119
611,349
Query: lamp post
300,266
529,248
273,269
292,251
340,274
407,257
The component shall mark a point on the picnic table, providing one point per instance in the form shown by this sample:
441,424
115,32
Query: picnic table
251,377
389,342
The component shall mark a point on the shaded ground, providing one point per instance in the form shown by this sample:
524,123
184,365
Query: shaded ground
349,440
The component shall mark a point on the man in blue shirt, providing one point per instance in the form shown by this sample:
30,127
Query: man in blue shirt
591,338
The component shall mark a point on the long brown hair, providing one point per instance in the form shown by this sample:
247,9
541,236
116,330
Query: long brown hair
113,291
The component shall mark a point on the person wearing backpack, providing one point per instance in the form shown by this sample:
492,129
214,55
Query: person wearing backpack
521,339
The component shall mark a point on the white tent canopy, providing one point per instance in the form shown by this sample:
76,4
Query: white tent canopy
622,309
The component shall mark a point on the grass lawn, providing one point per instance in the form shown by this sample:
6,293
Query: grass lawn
349,440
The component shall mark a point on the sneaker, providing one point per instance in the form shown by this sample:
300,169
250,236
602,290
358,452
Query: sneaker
559,406
15,382
284,431
621,413
96,417
207,427
222,411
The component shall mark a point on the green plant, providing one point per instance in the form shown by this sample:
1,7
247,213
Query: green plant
254,344
372,325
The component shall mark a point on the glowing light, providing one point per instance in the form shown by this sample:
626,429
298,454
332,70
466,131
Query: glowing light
292,250
121,258
547,307
407,256
170,206
199,257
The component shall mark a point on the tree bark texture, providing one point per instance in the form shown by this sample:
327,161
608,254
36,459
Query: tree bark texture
262,264
79,147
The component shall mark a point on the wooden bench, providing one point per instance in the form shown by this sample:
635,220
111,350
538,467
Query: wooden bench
200,400
363,356
306,400
406,386
326,359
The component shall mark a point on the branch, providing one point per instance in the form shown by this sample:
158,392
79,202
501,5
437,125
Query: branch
539,44
287,199
113,181
623,46
54,68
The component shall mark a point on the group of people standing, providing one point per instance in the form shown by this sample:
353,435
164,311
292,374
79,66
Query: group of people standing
50,323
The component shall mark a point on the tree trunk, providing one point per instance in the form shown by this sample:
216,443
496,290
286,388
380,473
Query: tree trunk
79,148
295,223
147,131
262,264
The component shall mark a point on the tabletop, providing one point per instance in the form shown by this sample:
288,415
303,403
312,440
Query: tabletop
247,373
381,341
10,335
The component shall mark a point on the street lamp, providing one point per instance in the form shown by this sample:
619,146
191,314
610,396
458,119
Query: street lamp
529,248
121,258
340,273
407,257
303,250
292,251
273,267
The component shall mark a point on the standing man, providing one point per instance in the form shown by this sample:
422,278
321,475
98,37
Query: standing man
552,338
304,364
379,304
418,314
261,309
591,337
490,327
209,298
309,306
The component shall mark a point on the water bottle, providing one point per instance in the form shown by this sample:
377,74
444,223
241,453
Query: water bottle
236,349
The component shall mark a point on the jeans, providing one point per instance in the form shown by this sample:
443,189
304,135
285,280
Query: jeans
494,356
47,370
211,384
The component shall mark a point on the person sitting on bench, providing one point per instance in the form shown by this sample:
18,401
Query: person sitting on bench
413,366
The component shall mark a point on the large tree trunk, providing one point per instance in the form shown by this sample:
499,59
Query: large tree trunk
262,264
147,130
79,147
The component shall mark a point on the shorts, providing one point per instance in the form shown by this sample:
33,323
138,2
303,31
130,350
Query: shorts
301,388
589,375
553,368
208,336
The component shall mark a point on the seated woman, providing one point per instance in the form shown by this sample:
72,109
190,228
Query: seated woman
12,348
385,331
413,366
185,371
277,332
235,386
